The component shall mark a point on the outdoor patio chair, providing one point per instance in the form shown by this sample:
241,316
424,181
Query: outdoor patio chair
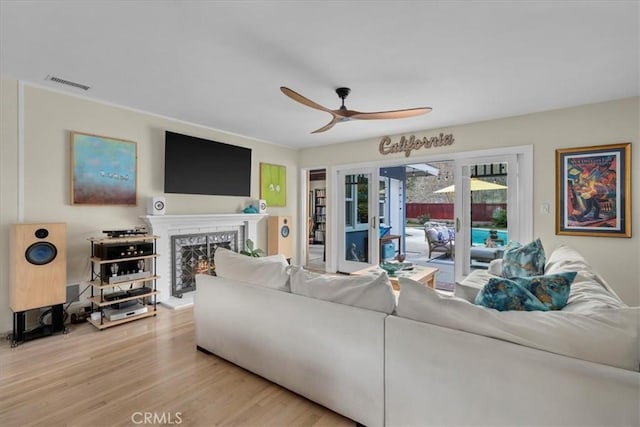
440,239
432,224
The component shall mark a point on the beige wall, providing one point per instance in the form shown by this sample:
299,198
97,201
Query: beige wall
8,188
50,116
617,259
48,119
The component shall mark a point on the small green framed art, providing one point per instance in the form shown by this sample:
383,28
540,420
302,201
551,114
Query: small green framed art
273,184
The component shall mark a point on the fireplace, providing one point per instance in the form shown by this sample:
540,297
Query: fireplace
168,226
192,254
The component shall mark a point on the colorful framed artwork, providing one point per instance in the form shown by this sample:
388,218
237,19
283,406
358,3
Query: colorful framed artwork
273,184
103,170
593,191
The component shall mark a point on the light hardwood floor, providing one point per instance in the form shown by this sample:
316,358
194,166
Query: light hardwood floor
113,377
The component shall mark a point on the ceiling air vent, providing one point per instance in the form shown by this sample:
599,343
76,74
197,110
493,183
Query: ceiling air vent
67,82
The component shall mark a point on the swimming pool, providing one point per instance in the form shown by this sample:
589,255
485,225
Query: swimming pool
479,235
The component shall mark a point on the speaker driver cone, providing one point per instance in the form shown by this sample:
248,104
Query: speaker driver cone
41,253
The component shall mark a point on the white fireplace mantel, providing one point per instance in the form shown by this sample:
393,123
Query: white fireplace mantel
165,226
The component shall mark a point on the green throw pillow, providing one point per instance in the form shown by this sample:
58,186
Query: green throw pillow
523,261
540,293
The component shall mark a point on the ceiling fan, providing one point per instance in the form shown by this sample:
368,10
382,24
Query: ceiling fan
342,114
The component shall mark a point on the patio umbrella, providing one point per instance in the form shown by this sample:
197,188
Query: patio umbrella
476,185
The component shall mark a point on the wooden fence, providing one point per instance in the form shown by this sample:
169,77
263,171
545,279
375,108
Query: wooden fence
444,211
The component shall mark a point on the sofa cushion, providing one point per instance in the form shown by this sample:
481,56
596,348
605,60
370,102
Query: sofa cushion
373,292
271,271
564,258
607,336
549,292
523,260
589,291
587,295
469,287
495,267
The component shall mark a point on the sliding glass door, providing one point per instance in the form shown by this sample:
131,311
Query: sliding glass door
358,222
486,210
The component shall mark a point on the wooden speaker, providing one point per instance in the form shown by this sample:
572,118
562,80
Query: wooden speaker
38,276
279,236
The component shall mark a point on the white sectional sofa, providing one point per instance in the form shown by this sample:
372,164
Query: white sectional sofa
381,368
330,353
444,377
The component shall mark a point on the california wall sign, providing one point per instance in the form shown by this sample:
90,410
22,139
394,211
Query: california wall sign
412,143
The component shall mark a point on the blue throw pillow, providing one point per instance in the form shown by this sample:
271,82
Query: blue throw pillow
552,290
523,261
505,295
443,233
541,293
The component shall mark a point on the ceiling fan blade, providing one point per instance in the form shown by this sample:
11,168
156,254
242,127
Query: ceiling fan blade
328,126
343,114
396,114
302,100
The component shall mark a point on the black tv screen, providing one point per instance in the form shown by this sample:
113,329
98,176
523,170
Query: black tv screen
200,166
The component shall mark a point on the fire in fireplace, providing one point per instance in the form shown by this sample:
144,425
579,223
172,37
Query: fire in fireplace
192,254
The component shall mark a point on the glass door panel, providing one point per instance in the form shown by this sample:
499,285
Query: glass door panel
382,201
485,210
358,242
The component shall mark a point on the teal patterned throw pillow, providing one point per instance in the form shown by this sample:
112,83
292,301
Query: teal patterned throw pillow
552,290
523,261
540,293
506,295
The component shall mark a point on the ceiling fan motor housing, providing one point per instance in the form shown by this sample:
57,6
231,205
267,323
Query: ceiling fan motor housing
343,92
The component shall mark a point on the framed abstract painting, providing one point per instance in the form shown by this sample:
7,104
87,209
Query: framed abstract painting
273,184
103,170
593,191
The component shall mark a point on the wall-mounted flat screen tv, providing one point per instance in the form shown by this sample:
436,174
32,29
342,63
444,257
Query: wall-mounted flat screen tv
199,166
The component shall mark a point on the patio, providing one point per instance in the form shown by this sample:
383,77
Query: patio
416,252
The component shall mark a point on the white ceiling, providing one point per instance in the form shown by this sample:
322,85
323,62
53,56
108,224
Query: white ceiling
220,63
